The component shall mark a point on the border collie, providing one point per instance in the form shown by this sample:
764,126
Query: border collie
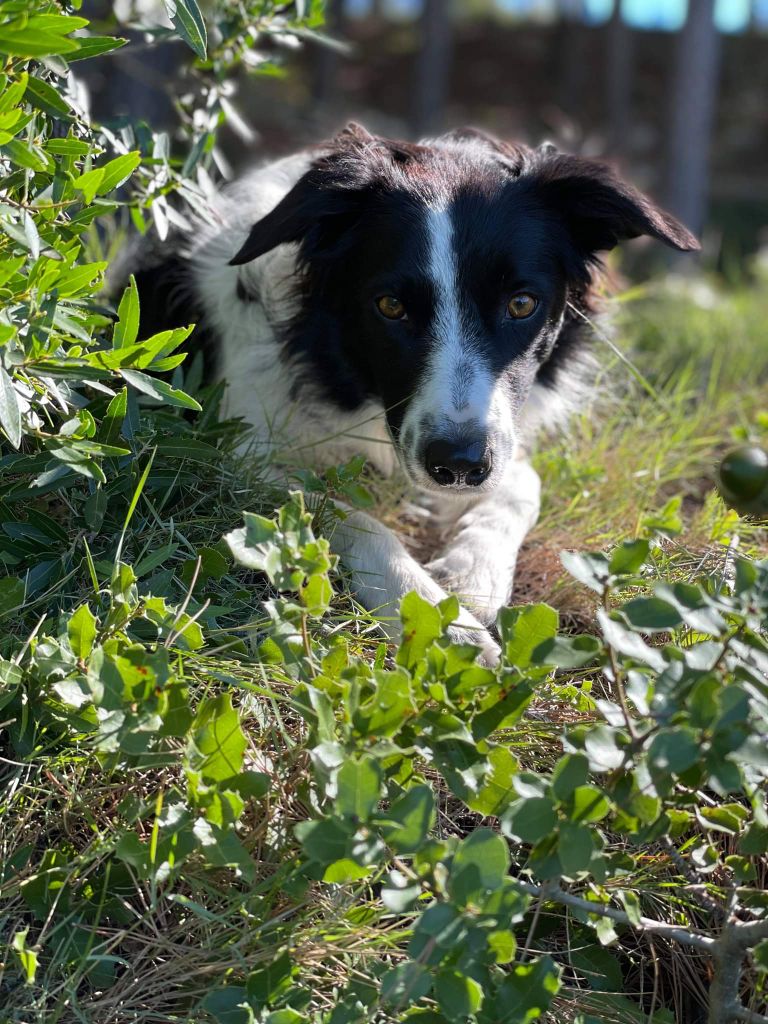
421,304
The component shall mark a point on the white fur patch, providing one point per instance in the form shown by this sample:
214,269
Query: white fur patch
457,386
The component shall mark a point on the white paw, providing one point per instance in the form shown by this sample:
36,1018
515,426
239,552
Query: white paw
482,585
490,652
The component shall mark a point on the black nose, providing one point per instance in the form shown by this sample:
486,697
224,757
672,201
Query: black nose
458,463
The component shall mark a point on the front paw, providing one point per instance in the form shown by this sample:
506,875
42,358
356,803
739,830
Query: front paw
482,587
490,652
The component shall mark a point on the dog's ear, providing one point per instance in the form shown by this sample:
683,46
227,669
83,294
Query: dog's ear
315,212
600,209
323,203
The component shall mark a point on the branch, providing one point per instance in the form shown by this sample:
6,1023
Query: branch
727,951
645,925
751,932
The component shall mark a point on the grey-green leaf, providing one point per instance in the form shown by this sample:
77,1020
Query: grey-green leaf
188,22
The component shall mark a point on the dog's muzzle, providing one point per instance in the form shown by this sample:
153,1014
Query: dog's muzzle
464,463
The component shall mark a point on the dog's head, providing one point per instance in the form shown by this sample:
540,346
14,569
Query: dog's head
439,279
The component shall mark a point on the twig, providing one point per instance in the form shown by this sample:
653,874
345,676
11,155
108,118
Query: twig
646,924
532,930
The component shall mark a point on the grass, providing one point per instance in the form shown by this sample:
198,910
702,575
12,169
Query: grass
116,944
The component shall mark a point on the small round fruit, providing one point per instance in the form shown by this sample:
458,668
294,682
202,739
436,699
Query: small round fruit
743,480
743,474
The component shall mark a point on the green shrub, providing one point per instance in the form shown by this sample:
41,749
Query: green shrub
223,798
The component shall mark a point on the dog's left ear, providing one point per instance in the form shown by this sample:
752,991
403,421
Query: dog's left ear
600,209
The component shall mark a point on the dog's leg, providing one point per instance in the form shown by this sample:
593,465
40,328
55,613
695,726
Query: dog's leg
478,563
383,572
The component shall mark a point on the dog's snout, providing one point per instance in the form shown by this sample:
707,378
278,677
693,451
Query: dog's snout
458,464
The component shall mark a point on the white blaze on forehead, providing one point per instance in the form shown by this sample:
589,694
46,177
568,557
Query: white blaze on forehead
456,376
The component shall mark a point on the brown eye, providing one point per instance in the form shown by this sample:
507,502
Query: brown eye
390,307
521,306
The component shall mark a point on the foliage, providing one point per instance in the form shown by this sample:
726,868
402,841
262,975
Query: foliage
222,797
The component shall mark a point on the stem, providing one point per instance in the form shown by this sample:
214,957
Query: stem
646,924
619,679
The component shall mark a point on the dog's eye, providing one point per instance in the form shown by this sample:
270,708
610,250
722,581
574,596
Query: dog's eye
391,307
521,306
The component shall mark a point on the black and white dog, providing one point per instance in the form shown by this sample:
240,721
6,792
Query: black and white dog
422,304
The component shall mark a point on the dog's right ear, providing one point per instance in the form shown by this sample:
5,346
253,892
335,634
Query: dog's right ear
322,204
319,207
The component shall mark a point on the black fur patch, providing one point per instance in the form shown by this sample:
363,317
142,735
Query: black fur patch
167,299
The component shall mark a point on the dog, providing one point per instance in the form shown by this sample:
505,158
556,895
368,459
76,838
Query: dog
425,305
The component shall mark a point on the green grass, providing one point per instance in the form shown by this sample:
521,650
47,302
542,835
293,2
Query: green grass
118,943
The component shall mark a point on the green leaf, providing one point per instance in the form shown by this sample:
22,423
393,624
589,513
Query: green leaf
530,819
651,614
458,995
480,864
10,412
422,625
189,23
567,652
587,804
631,903
405,984
127,327
76,279
217,743
88,183
210,564
81,630
527,991
10,95
228,1005
502,945
760,956
629,644
324,841
629,557
754,842
116,172
497,791
603,973
27,957
674,750
25,155
25,232
43,96
728,818
94,46
112,423
523,629
359,788
29,41
667,521
267,984
160,390
574,848
590,569
571,771
409,820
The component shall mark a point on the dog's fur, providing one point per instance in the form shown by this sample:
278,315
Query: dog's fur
286,289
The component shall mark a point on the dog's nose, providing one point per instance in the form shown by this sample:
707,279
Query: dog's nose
458,464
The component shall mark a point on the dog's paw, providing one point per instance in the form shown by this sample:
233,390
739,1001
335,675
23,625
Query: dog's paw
490,652
483,586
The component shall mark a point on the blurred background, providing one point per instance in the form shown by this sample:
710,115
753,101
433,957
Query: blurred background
672,91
